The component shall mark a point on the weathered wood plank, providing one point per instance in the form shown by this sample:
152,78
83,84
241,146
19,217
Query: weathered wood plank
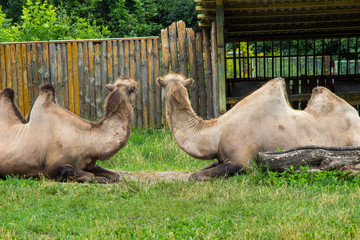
54,70
165,51
194,95
110,62
121,59
2,67
35,72
182,48
116,59
158,89
24,72
86,82
14,83
132,76
214,65
98,82
127,60
65,75
221,54
30,76
81,82
208,73
173,48
92,82
144,84
40,68
200,75
70,77
103,73
46,63
59,72
138,107
151,82
19,79
76,78
8,67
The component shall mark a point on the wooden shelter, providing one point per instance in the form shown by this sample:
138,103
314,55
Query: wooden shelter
307,42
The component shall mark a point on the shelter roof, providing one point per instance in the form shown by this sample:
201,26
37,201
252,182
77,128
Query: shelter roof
283,19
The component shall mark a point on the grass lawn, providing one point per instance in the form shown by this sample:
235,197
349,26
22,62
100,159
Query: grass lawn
254,206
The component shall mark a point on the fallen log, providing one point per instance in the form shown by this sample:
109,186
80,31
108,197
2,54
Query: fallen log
316,157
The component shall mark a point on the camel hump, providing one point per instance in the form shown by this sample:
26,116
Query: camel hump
9,93
47,87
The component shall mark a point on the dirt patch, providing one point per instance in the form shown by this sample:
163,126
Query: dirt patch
147,176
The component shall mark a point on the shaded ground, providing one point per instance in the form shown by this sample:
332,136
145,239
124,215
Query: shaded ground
148,176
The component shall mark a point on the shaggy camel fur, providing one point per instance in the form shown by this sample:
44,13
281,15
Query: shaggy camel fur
263,121
60,145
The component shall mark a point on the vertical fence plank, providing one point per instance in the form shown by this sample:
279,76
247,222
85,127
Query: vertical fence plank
165,51
92,82
158,90
194,95
54,70
139,108
86,84
110,62
59,75
121,59
103,72
70,77
98,81
116,60
151,95
8,67
65,74
35,71
127,60
30,76
81,80
214,65
46,65
19,79
2,67
76,78
14,83
39,61
144,83
25,79
182,48
208,73
173,48
200,75
132,75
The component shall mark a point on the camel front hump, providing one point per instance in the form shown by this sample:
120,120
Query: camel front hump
263,121
59,145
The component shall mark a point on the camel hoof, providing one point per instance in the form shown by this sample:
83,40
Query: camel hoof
198,177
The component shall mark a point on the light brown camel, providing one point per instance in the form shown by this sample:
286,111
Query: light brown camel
263,121
58,144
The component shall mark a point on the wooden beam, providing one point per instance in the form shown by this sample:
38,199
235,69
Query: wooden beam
221,54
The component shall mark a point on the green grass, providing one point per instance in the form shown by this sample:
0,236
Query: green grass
260,205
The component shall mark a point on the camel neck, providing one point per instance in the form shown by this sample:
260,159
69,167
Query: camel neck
191,132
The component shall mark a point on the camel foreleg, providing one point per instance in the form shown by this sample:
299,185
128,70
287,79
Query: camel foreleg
221,170
65,173
112,176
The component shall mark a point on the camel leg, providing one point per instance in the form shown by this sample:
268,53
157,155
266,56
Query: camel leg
112,176
221,170
214,164
67,172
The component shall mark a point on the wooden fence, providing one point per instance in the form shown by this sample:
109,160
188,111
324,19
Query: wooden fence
79,69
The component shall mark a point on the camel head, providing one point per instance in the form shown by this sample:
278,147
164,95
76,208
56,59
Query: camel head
174,88
122,91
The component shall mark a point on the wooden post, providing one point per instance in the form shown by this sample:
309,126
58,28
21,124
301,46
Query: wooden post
24,77
70,76
98,88
221,54
59,72
76,79
19,79
200,75
65,80
165,51
144,84
214,65
139,106
173,48
92,81
182,48
86,83
53,69
208,74
194,95
158,89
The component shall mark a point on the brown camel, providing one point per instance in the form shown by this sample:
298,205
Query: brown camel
263,121
58,144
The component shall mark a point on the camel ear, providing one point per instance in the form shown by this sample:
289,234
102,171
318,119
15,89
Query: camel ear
109,87
131,89
188,82
160,81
